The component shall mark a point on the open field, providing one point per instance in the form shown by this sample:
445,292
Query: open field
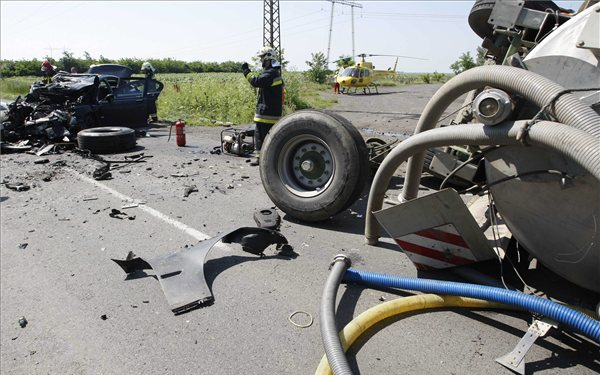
217,98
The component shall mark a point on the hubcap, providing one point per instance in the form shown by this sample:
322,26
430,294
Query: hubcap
306,165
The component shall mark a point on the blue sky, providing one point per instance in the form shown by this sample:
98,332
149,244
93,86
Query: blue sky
232,30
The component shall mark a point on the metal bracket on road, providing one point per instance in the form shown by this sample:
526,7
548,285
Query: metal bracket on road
267,218
515,359
181,274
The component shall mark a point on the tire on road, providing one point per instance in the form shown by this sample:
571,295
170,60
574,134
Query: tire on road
363,153
312,165
106,140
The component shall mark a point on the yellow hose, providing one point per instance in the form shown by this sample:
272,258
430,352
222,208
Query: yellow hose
374,315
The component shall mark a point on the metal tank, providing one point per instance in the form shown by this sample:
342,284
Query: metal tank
550,204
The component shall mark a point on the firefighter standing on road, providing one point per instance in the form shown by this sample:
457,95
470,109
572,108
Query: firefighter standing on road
150,85
269,105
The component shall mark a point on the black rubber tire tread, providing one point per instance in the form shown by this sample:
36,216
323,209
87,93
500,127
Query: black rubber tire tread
482,10
342,143
363,154
105,140
478,18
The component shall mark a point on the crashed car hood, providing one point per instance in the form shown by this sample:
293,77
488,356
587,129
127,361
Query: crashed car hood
67,85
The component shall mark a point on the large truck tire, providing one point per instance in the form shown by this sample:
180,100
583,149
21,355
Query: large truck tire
313,165
478,18
106,140
361,148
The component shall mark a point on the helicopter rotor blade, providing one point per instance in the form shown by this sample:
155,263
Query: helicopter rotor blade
406,57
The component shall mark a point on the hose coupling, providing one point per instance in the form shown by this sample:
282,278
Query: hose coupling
492,107
341,257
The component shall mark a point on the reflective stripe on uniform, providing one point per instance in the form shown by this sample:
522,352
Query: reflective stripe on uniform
265,119
250,76
277,81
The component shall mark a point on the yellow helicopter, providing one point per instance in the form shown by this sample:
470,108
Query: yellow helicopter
364,75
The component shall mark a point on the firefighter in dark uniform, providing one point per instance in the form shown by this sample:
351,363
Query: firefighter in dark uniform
269,105
150,85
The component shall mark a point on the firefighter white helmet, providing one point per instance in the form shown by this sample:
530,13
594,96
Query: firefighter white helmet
147,67
267,53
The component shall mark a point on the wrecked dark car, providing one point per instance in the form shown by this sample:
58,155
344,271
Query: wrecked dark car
106,95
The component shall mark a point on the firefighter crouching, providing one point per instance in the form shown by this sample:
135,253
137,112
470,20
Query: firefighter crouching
269,105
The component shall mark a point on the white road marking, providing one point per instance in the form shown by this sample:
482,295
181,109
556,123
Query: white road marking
159,215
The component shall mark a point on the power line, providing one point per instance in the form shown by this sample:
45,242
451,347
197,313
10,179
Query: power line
417,15
237,34
352,5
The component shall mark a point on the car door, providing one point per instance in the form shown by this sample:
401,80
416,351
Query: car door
107,114
126,107
152,90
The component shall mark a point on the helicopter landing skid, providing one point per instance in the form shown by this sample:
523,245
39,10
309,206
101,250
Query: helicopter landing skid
366,89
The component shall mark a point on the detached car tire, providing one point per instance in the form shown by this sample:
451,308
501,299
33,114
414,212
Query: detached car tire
313,165
106,140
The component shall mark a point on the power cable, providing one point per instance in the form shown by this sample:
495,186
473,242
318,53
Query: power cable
416,15
34,13
236,35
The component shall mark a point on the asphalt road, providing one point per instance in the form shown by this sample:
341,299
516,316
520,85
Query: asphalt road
85,316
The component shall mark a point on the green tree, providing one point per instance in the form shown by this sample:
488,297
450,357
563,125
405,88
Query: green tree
344,62
105,60
284,63
464,62
437,77
318,71
481,52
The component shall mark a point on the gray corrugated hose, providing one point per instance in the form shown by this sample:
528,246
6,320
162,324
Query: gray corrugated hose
550,135
329,331
537,89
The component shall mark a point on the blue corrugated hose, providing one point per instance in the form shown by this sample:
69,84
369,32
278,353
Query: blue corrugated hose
574,319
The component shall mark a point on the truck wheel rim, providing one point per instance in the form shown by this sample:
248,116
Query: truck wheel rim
306,166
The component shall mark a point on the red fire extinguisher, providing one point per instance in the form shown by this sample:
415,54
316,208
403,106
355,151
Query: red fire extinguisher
180,132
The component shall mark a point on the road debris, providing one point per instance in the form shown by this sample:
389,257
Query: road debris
299,325
44,150
189,190
47,176
129,205
181,274
114,213
267,218
23,322
102,173
8,147
17,186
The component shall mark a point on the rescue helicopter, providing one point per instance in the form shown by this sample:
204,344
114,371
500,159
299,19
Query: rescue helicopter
364,75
